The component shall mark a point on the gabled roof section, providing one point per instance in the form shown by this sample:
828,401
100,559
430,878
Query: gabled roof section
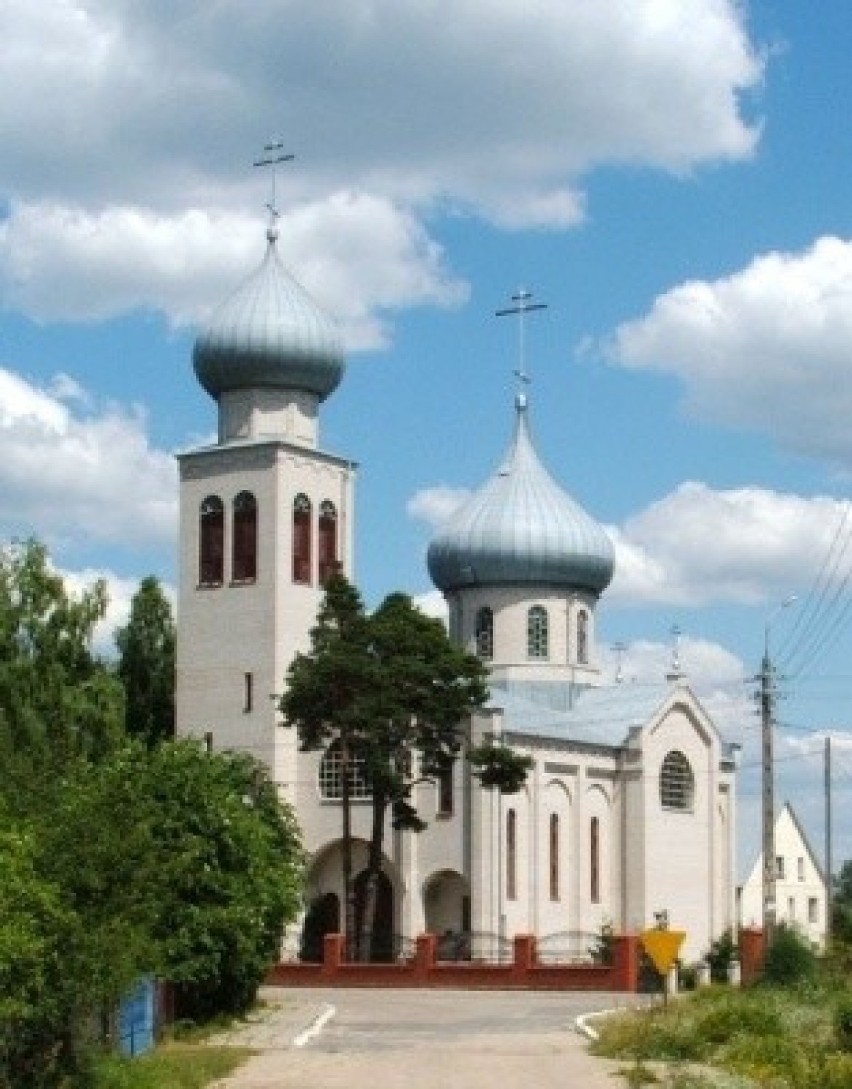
593,716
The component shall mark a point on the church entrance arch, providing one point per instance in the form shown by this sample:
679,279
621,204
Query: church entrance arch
446,907
326,899
382,946
321,918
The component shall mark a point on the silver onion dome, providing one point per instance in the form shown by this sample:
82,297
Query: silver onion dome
269,333
520,527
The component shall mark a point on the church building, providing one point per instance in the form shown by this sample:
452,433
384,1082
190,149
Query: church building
629,809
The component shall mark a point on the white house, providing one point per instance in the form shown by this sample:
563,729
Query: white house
800,888
630,806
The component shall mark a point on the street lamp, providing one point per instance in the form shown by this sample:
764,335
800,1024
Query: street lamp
767,716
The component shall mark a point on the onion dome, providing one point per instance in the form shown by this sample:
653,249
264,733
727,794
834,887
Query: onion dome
521,528
271,334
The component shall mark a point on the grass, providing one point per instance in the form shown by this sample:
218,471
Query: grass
769,1037
174,1065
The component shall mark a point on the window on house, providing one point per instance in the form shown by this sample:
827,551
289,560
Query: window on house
248,692
595,860
813,909
791,907
327,541
537,633
208,741
511,854
677,785
484,632
554,856
244,562
211,532
445,792
779,866
331,771
801,868
302,539
583,637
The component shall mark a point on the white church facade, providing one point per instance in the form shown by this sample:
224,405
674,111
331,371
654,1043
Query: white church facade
629,809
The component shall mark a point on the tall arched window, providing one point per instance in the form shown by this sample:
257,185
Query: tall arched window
537,633
511,854
331,771
677,784
583,637
554,856
244,553
595,860
211,551
301,538
327,540
484,632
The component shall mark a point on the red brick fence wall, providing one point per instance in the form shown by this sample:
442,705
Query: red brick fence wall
424,970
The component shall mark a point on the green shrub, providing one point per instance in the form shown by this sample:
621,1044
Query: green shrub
723,953
843,1023
687,977
725,1020
789,959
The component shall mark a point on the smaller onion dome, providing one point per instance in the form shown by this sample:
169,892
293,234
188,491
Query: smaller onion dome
270,333
521,527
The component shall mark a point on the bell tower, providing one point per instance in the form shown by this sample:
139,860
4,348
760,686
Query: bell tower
266,516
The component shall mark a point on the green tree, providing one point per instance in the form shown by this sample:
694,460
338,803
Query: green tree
323,700
146,665
228,873
58,702
393,689
34,925
842,904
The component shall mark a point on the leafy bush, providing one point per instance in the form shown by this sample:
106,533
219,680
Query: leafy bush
687,977
789,960
723,953
843,1023
733,1016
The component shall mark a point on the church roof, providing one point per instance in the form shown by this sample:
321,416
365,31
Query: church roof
521,527
587,715
270,333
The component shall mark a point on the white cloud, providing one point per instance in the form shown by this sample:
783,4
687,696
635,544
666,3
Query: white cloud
432,603
159,104
80,476
358,255
435,506
120,592
120,121
697,546
768,348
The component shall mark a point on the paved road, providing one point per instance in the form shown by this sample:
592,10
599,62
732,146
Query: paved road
385,1039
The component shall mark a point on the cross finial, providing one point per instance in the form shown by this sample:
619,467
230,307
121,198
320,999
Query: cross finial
522,305
273,154
676,672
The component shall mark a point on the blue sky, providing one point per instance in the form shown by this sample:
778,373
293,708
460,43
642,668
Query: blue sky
669,176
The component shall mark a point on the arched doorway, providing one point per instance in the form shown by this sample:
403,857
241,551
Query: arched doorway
446,903
321,918
382,939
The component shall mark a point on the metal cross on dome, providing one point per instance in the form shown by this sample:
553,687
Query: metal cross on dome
273,154
523,305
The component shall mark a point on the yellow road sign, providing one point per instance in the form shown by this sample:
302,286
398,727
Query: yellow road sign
662,946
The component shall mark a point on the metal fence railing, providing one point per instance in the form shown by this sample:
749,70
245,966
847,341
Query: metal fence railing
574,947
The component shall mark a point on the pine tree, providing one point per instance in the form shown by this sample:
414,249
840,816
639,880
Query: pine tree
146,665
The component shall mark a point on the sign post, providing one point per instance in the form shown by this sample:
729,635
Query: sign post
662,946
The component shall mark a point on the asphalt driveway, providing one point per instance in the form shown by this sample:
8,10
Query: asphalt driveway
384,1039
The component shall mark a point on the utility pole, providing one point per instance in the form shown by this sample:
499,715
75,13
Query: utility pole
828,877
767,708
767,730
